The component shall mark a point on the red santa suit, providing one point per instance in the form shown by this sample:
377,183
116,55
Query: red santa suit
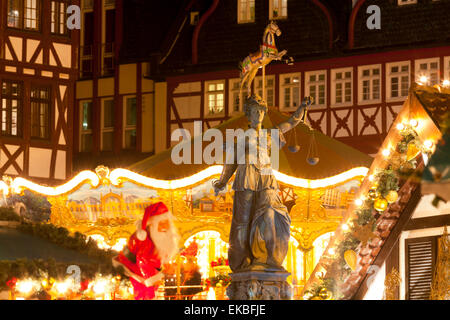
141,258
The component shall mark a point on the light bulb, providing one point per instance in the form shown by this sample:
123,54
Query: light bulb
423,79
400,126
345,227
446,83
359,202
428,144
413,122
386,152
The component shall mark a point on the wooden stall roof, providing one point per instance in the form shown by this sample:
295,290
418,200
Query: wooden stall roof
335,157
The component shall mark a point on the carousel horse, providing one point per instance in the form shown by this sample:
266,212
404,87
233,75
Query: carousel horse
267,52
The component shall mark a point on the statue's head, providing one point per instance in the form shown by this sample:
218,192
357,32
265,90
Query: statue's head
274,28
255,108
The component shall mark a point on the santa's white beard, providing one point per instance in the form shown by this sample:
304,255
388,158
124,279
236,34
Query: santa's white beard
166,243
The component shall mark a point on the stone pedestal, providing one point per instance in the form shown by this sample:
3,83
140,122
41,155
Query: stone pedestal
254,285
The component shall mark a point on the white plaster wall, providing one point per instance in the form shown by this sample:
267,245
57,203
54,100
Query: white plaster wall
376,283
39,164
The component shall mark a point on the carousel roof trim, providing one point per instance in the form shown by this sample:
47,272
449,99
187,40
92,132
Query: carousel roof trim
117,176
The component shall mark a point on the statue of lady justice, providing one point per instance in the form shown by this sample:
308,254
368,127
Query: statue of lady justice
260,227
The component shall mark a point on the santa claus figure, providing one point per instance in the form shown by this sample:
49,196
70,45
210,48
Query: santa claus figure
154,244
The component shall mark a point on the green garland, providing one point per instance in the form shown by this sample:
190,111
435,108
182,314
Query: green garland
39,268
387,180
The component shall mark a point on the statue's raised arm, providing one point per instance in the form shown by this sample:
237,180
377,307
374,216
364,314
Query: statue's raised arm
298,116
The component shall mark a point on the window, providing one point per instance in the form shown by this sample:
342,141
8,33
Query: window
269,89
246,11
420,263
107,125
130,117
278,9
316,87
24,14
289,91
40,112
397,80
59,17
427,71
446,68
233,99
88,4
342,84
86,126
108,45
86,55
12,93
403,2
369,84
215,95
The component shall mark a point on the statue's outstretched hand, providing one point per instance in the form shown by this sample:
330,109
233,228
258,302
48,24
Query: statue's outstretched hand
218,186
307,101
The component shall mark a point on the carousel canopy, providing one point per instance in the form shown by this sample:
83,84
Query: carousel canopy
334,157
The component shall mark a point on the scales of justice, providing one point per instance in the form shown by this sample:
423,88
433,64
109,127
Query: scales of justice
260,227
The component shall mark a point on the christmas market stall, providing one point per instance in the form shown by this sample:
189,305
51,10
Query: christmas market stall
392,242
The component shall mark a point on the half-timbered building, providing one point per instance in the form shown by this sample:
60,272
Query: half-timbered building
358,75
37,75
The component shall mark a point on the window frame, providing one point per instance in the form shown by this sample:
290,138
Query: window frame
281,91
22,18
231,92
19,117
240,19
446,68
399,75
208,93
334,81
266,88
279,17
316,83
370,78
85,131
58,19
104,129
428,61
126,126
40,101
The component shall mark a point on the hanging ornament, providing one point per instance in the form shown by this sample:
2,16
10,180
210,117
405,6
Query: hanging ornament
313,156
392,196
324,294
412,151
373,194
350,259
380,204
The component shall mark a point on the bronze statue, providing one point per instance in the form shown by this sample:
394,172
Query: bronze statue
260,227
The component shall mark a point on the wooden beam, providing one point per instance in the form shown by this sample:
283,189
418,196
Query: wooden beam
428,222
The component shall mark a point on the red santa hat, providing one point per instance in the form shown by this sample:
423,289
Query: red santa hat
155,209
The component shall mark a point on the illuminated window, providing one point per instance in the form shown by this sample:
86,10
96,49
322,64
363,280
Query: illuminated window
24,14
369,84
447,68
233,97
342,86
246,11
59,17
289,91
316,86
130,118
40,112
215,95
107,138
278,9
428,68
403,2
397,80
269,89
86,126
12,95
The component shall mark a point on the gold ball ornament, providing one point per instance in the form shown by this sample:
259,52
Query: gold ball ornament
373,194
392,196
324,294
380,204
